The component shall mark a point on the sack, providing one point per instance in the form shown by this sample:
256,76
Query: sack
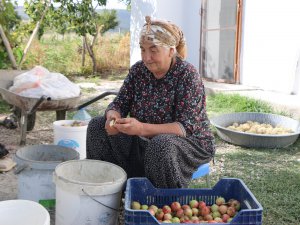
6,164
39,81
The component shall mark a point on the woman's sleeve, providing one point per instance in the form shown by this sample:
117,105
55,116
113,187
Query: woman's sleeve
190,102
124,98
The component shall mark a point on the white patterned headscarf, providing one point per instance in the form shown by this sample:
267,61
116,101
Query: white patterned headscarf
165,34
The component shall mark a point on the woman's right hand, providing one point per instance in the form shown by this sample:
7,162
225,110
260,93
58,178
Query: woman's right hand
111,117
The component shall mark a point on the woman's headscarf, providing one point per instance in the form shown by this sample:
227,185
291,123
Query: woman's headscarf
164,33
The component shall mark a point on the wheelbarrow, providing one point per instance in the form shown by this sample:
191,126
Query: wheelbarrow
26,107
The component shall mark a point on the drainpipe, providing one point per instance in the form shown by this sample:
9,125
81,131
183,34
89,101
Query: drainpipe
296,85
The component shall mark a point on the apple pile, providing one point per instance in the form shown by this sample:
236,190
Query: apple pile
194,212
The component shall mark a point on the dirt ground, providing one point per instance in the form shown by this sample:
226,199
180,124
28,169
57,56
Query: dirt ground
43,134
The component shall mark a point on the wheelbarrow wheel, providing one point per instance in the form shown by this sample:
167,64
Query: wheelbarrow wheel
30,118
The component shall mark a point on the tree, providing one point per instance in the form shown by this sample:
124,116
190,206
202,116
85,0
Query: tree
9,21
79,16
127,2
63,15
105,21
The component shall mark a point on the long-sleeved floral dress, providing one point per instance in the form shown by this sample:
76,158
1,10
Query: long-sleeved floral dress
167,160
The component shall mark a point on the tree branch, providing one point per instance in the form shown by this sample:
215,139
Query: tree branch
8,48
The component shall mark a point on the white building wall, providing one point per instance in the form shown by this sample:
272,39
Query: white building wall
271,45
183,13
270,38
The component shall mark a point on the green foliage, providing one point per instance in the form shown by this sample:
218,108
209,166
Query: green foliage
4,107
107,20
9,21
81,16
229,103
69,15
3,59
22,32
55,55
18,54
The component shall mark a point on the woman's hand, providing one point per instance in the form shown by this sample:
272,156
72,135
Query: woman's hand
111,118
130,126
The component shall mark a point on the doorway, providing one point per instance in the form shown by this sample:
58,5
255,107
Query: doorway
220,40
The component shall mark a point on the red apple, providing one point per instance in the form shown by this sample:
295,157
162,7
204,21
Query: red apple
195,219
175,220
154,207
214,208
185,206
205,211
195,211
225,217
223,209
188,212
166,209
135,205
208,217
236,204
194,203
231,211
151,211
220,201
167,216
179,213
202,204
159,214
175,206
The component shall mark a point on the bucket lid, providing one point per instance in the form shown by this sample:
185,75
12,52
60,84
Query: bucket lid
44,157
92,177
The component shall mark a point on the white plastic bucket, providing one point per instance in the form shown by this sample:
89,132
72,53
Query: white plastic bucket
35,167
71,136
25,212
88,192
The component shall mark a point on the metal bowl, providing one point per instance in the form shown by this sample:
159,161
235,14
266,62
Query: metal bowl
256,140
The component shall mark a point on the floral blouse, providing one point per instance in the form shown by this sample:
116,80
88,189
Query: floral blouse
177,97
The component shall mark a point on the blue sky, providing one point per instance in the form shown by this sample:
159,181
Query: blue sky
111,4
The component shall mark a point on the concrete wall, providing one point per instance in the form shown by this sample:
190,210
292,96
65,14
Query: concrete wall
181,12
271,45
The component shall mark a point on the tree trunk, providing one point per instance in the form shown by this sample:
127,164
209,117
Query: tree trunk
31,38
83,52
8,48
92,55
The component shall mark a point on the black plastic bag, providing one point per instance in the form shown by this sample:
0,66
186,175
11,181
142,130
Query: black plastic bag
3,151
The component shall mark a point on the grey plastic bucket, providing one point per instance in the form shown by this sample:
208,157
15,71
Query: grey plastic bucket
88,192
35,166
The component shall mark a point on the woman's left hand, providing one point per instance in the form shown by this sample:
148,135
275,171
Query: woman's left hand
130,126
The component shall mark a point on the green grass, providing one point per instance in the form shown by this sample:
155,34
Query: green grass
228,103
4,107
272,175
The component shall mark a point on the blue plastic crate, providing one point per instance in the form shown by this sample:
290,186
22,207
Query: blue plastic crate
142,190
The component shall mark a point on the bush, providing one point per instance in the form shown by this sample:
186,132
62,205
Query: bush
64,55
